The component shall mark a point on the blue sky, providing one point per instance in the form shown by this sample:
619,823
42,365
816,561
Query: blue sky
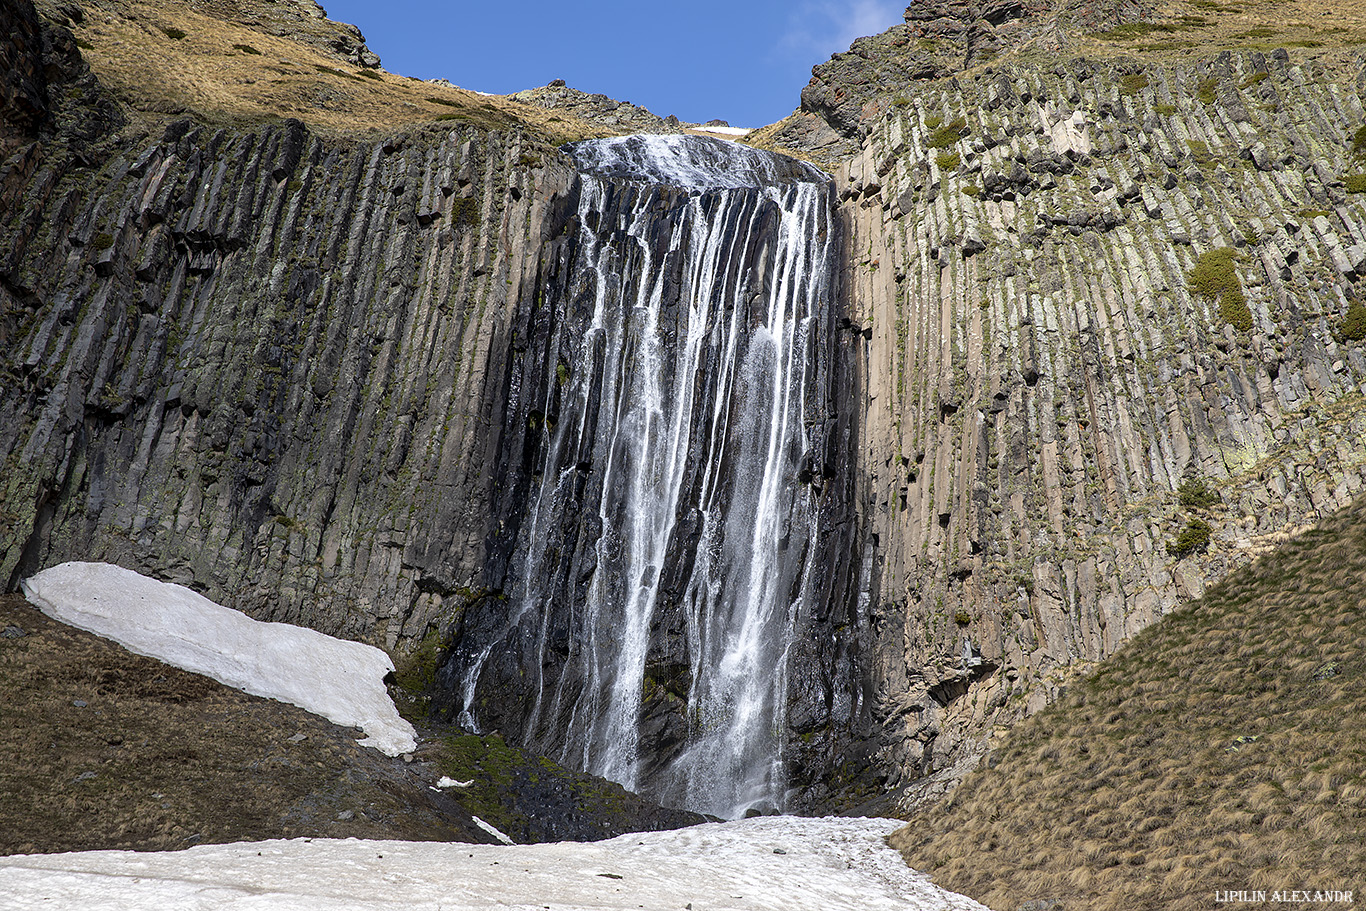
744,61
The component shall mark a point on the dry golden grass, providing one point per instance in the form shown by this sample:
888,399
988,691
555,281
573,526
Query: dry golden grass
1223,748
223,70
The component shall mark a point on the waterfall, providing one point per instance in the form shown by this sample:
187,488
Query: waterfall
672,405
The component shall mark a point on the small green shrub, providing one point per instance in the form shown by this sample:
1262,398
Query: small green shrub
1164,109
947,161
174,34
84,45
972,190
1359,140
1194,538
464,211
1213,274
962,618
102,241
1200,153
901,101
247,49
446,101
933,121
1355,183
333,71
1196,493
948,134
1214,278
1354,323
562,373
1234,310
1133,83
370,74
1254,79
1207,91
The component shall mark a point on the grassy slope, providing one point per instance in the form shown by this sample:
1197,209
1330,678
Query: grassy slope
1223,748
225,71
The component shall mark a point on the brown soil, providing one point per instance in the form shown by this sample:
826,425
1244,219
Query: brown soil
101,748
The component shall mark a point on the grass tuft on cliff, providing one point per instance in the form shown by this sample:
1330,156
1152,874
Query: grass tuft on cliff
1224,745
1214,278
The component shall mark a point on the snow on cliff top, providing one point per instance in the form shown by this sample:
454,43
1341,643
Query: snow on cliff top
768,864
340,680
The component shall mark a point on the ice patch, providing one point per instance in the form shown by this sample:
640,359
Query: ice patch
340,680
825,865
448,782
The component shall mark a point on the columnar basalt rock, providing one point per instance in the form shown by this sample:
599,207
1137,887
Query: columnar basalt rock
278,366
267,365
1042,374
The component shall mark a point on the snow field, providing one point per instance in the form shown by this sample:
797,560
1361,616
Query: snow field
824,865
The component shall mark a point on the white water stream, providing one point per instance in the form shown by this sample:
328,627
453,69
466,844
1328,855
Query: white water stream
687,395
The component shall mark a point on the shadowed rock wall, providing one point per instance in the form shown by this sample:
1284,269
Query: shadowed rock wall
266,365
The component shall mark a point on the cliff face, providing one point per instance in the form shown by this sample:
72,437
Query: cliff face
301,374
276,364
264,364
1043,372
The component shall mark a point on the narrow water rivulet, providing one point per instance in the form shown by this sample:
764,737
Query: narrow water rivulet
673,426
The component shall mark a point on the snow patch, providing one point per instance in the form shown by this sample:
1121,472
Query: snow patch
448,782
340,680
493,830
828,865
724,131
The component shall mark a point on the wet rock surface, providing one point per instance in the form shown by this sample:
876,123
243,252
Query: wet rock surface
540,659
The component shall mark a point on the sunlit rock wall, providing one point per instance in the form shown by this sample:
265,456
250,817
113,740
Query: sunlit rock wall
1040,377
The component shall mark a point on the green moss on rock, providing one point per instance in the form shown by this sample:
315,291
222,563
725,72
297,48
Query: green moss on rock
1214,278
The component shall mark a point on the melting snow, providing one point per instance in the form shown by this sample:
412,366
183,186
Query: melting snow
781,863
767,864
340,680
724,131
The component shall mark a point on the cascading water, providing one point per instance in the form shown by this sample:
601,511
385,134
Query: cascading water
674,412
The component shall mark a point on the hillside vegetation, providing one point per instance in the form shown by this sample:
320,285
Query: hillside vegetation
1222,748
252,61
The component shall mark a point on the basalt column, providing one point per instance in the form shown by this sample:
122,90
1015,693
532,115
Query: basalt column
674,573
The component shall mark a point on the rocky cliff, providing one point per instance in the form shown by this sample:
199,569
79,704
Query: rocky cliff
264,363
1058,386
1104,314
